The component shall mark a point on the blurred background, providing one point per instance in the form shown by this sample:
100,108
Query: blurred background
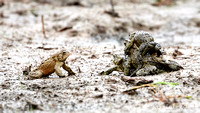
171,22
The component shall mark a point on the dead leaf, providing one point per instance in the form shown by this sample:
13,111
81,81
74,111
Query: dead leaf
111,13
46,48
98,96
65,28
33,106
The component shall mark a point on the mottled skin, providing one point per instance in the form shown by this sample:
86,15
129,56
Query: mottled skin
151,65
51,65
143,56
136,48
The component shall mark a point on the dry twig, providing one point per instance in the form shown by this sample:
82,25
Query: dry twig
112,12
138,87
158,94
43,28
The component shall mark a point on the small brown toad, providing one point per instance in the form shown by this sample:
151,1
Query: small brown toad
51,65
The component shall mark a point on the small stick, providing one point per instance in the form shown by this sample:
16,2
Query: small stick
43,28
112,12
141,86
112,6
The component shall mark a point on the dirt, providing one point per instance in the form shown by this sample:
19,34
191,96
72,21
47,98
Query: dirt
91,36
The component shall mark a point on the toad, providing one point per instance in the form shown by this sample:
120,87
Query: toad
142,56
51,65
139,44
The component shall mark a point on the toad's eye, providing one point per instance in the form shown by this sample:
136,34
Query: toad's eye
125,42
64,52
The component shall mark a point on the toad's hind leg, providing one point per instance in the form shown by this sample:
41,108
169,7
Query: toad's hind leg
174,66
147,70
36,74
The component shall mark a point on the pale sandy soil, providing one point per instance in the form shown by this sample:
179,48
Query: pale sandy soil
92,34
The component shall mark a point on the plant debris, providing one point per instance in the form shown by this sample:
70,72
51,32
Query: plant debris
136,81
32,105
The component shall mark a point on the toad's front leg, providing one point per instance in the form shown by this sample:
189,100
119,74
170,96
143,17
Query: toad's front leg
107,72
68,69
58,70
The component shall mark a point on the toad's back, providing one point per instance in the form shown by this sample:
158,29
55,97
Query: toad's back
47,67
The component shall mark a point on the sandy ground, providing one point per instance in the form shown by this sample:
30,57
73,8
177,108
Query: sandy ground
92,36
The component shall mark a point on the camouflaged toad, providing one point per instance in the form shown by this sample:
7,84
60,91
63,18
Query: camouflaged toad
142,56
